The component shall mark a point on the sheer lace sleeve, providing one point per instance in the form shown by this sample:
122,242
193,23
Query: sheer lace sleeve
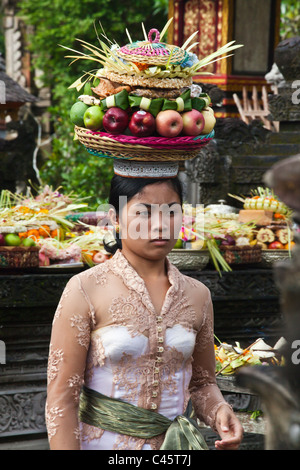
205,393
69,344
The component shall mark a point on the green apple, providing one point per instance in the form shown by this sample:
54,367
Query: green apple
28,242
12,239
77,112
178,244
93,118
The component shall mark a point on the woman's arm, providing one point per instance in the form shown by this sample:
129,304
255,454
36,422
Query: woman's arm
69,344
208,401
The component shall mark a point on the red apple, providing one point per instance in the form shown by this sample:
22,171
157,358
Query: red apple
142,124
99,257
193,122
115,120
2,240
276,246
169,123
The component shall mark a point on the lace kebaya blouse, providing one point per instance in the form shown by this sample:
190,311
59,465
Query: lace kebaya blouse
107,335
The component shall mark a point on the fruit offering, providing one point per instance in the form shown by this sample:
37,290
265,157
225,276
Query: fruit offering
264,199
28,223
202,229
230,358
91,245
272,220
145,90
141,112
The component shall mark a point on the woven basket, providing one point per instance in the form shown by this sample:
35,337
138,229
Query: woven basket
160,55
152,51
19,257
241,254
147,148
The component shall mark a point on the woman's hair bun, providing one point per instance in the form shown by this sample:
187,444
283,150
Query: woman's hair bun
112,243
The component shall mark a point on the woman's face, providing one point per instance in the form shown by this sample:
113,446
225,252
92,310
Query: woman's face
151,221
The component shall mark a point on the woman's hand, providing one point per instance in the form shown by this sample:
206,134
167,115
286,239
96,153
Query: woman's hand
229,429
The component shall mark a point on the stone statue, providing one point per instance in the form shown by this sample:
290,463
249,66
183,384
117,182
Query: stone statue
274,78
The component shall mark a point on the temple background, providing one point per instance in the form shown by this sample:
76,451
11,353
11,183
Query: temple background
218,22
253,23
246,302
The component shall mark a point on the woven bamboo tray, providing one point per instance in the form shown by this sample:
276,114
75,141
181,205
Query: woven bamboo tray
158,148
241,254
19,257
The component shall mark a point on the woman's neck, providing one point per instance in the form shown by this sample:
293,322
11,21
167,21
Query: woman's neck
146,269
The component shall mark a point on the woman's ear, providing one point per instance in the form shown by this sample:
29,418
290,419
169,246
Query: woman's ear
114,218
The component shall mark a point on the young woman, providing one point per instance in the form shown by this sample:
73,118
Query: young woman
138,336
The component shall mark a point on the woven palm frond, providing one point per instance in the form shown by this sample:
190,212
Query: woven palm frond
157,58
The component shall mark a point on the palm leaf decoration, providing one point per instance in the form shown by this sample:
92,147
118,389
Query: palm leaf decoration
107,59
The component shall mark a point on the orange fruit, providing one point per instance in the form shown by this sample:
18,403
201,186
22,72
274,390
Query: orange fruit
23,235
44,231
54,233
87,255
141,66
34,234
57,233
289,246
278,216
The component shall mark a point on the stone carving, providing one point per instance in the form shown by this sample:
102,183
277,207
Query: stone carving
47,290
285,106
243,174
22,413
270,257
279,107
274,77
201,169
237,285
189,260
233,132
286,57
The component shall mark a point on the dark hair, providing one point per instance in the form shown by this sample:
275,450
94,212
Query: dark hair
129,187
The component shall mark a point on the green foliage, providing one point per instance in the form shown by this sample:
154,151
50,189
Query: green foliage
60,22
72,167
256,414
290,19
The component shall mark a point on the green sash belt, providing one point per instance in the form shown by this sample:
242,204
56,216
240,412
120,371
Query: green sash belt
118,416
